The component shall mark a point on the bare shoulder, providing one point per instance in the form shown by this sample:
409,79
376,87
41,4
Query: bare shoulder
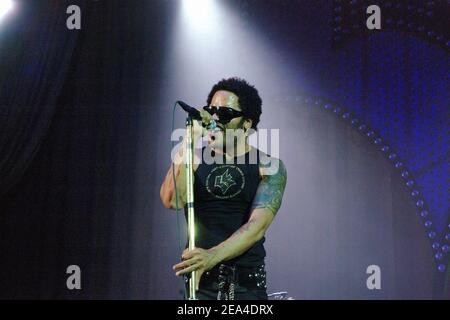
273,182
270,166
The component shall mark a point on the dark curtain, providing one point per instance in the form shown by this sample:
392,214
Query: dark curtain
77,203
35,55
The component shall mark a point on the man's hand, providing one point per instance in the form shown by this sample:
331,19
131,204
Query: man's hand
167,191
199,260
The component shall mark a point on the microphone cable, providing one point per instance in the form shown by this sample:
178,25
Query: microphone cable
177,209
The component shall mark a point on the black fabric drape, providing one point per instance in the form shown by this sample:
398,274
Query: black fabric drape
85,198
34,59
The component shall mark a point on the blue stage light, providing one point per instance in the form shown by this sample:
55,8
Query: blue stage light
436,245
424,213
398,165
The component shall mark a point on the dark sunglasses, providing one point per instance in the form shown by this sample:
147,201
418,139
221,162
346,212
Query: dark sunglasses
225,114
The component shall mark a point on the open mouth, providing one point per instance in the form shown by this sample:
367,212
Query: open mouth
214,132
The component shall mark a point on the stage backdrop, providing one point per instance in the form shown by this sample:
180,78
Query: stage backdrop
86,189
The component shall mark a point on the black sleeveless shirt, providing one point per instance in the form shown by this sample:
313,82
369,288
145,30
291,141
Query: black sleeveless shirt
223,195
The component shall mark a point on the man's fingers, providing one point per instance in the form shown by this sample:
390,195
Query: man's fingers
199,275
184,264
187,270
187,254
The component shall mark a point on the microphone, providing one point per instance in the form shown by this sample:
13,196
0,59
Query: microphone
192,112
195,114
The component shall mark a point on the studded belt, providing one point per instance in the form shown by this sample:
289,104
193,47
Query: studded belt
228,276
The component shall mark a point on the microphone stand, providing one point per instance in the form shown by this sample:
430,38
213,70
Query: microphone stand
190,198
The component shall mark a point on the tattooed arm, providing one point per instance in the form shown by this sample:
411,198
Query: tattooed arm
265,205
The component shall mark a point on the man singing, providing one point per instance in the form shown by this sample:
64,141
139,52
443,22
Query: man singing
237,192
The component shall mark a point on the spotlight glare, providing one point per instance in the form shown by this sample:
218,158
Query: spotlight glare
5,6
197,7
201,15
